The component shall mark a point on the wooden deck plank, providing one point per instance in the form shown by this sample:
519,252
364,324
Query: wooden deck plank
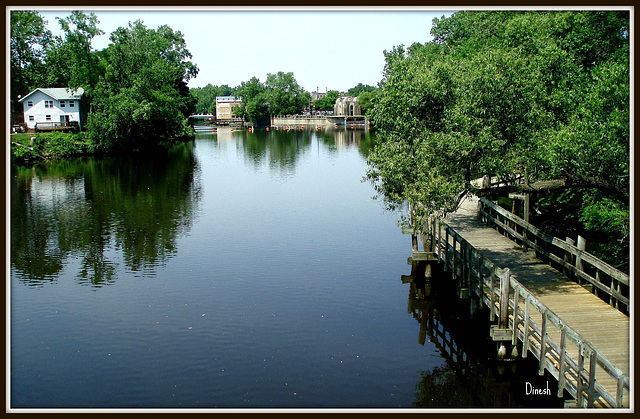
606,328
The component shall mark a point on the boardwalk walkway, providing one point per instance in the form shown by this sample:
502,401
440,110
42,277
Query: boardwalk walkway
605,327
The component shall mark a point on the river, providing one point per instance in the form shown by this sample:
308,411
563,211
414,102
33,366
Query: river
240,270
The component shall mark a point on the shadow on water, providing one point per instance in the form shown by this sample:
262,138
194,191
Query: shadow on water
472,377
86,209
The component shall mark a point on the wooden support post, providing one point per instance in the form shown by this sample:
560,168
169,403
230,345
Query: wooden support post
525,338
425,240
463,281
486,182
620,391
592,379
480,279
501,332
580,379
453,259
434,238
439,242
516,300
503,319
582,245
492,308
568,257
412,224
543,344
526,207
445,252
561,377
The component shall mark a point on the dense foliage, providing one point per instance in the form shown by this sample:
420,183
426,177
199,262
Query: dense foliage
143,96
29,41
206,97
536,95
280,94
327,102
136,87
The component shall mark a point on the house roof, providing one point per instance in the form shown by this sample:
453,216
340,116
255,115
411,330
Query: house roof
59,93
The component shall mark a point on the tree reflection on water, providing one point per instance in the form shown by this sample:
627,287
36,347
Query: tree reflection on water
472,376
86,209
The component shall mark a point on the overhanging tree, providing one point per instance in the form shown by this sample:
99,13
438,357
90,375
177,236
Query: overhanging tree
535,97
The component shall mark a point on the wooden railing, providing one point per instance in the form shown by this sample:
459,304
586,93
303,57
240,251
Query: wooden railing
605,281
572,360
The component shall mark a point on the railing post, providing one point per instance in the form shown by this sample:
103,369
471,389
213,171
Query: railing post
525,338
492,286
543,344
592,378
503,319
561,377
516,301
567,257
580,380
620,391
445,254
581,245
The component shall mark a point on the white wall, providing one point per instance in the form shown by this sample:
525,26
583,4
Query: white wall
39,112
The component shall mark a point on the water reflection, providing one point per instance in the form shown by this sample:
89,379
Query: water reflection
281,151
82,211
472,377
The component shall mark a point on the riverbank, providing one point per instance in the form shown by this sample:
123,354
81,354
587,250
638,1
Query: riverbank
28,148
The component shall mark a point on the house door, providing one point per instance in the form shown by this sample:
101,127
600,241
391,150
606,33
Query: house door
64,118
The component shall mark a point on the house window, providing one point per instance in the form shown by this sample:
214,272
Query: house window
71,104
48,117
30,103
48,103
62,103
31,118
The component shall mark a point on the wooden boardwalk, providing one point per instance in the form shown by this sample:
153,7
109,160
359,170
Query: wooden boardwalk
585,340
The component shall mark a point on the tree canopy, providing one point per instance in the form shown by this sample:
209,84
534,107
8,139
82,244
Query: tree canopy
523,97
143,96
29,42
136,87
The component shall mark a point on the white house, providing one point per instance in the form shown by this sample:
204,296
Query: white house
56,105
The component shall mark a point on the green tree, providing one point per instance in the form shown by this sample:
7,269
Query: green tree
366,101
143,97
256,104
206,97
359,88
82,61
285,95
327,102
542,96
29,42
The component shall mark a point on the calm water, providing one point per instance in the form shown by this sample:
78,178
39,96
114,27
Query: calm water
241,270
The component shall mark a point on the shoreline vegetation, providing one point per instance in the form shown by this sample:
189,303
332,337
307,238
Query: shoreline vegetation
488,96
32,148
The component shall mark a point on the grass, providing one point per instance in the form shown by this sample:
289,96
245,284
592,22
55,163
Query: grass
48,146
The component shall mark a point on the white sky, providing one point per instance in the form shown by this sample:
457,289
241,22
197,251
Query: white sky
331,49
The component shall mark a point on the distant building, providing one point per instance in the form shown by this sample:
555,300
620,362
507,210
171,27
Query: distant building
317,94
54,107
347,106
225,105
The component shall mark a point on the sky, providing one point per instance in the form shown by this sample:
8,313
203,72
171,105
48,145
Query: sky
325,49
